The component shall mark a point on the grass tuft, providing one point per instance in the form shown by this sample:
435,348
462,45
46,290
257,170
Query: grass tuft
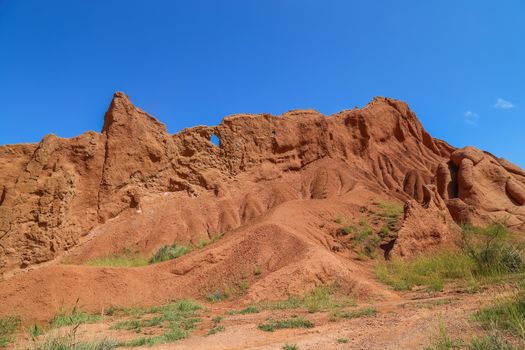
169,252
290,347
293,322
8,326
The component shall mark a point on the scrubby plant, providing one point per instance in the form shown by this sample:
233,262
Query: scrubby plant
492,254
485,255
169,252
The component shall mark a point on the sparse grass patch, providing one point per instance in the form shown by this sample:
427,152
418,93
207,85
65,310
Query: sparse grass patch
507,314
216,326
485,257
489,342
169,252
177,319
126,258
431,271
343,340
322,298
8,327
290,347
69,342
75,317
293,322
442,341
390,210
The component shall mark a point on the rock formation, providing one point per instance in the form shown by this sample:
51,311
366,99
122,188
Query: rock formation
271,178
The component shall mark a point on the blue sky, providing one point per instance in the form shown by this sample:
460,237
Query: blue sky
460,64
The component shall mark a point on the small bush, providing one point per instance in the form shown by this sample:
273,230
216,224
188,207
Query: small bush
343,340
294,322
8,326
169,252
488,249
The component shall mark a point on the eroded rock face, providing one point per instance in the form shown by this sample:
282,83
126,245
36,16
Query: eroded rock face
487,188
426,225
54,193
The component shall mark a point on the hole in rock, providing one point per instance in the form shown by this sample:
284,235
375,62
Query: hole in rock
215,140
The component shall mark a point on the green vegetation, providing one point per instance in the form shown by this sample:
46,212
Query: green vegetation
390,210
74,318
126,258
123,259
176,319
216,326
365,241
293,322
290,347
322,298
35,331
442,341
343,340
8,327
489,249
507,314
431,271
69,342
366,312
169,252
484,256
489,342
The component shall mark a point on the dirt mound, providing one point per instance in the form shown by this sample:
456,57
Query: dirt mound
274,185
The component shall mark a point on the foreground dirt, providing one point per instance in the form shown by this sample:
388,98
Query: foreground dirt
407,323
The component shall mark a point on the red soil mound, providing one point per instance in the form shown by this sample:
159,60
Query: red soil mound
274,185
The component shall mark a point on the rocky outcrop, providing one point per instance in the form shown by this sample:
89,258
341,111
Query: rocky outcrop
54,193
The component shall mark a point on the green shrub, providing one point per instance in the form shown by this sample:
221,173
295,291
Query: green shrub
343,340
488,249
169,252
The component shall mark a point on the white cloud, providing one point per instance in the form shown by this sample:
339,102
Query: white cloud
503,104
471,118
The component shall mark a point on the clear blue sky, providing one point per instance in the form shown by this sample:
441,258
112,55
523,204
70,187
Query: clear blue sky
194,62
